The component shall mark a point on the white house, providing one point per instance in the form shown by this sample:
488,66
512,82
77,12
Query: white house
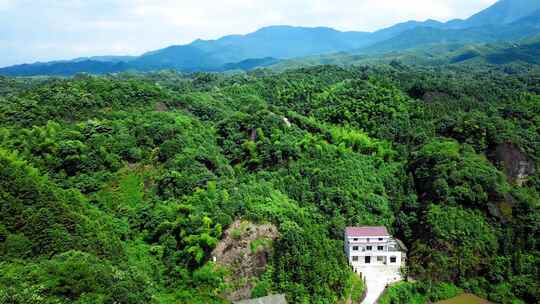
372,246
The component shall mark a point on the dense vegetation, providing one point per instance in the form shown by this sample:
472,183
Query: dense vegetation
518,52
115,189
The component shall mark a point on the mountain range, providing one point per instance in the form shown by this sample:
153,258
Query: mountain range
505,21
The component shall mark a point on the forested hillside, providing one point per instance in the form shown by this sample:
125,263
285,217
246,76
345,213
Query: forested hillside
524,52
116,189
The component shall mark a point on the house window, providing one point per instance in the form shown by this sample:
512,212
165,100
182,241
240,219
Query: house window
369,248
355,248
355,259
393,259
380,248
380,239
368,239
380,259
355,240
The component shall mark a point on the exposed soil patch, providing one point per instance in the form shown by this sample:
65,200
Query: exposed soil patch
161,107
245,250
465,298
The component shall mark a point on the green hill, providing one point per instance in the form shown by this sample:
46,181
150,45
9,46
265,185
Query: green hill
118,189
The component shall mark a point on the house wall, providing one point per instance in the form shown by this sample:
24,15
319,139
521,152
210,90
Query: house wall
377,255
376,258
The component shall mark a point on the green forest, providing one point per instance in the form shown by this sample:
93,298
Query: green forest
117,188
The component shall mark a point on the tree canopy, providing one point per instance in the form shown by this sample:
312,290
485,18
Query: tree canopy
117,188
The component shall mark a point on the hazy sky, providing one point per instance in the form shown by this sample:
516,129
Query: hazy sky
41,30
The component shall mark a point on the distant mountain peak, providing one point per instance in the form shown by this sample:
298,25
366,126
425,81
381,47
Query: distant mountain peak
280,29
292,27
504,12
506,20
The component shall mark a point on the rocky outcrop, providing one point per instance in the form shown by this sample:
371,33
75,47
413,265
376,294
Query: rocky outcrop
517,165
245,250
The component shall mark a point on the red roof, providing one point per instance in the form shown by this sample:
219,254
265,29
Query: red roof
366,231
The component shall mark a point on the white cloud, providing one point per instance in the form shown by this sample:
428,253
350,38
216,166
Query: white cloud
55,29
6,4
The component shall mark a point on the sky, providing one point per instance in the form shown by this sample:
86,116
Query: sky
44,30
